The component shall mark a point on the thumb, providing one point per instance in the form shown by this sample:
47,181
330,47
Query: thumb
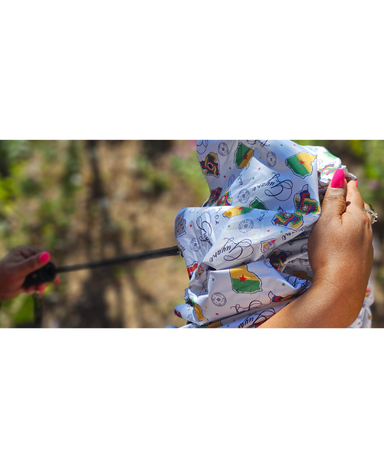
33,263
334,203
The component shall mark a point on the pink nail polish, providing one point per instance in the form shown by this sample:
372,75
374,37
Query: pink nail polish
44,257
338,179
357,183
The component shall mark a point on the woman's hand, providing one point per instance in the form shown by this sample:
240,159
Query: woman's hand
341,257
340,245
19,263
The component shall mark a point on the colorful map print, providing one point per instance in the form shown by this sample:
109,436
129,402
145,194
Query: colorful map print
225,199
258,204
210,165
283,218
243,281
305,204
301,164
243,156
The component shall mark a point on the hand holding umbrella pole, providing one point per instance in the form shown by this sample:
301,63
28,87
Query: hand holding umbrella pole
48,272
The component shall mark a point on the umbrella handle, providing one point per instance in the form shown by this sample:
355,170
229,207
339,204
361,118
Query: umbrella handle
45,274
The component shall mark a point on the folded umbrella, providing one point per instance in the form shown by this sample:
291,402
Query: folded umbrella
245,249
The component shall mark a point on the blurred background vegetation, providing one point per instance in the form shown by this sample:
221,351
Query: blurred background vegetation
86,200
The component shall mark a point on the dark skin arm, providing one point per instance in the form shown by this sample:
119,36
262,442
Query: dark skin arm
341,257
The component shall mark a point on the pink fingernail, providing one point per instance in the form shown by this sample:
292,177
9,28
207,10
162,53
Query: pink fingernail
44,257
338,179
357,183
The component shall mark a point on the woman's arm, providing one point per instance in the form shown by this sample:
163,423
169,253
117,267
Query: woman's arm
341,256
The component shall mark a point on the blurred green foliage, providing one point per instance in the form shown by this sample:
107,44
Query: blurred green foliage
156,180
364,156
23,179
190,173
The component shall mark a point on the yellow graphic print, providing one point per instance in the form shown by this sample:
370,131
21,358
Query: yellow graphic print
199,313
236,211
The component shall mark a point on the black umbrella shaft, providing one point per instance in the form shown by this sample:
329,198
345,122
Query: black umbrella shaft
48,272
168,252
